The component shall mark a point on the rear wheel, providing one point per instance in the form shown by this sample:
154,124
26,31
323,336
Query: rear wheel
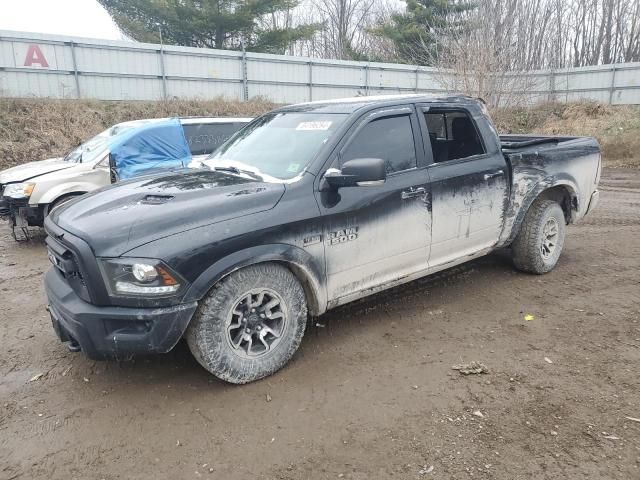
539,243
250,324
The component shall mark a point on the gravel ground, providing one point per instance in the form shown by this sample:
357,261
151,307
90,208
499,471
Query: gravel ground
371,393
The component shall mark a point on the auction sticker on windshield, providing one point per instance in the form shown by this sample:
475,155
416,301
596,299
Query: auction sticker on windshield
324,125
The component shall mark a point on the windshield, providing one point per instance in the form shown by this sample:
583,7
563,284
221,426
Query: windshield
278,145
89,150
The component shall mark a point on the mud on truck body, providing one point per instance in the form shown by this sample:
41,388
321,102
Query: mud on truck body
311,206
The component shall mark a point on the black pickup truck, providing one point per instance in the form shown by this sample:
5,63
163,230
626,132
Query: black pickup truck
308,207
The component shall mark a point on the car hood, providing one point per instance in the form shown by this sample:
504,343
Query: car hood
115,219
30,170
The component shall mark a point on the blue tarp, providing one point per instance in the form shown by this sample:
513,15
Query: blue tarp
153,146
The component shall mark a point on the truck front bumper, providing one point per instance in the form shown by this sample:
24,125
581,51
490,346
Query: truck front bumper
4,207
113,332
22,213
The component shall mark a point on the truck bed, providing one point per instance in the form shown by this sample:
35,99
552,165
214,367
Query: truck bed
541,162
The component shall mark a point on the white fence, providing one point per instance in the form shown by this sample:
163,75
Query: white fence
36,65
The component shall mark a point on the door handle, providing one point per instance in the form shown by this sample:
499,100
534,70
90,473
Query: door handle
489,176
413,193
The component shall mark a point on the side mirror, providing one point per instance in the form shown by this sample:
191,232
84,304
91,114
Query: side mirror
361,172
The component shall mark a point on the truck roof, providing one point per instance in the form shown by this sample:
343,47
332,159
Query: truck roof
352,104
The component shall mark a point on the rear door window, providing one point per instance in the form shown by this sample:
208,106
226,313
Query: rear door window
388,138
453,135
204,138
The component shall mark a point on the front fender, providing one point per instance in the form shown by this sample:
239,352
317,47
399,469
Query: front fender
50,195
298,260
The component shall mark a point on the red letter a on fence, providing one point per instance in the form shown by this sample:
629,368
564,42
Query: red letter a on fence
35,55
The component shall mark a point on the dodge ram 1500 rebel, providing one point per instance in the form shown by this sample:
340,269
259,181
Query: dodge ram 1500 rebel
308,207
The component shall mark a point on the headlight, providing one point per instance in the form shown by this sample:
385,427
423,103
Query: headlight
19,190
127,277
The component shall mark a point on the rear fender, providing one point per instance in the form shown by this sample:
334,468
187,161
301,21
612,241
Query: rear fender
301,264
522,199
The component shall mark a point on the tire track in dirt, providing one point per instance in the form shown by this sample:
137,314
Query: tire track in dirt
371,392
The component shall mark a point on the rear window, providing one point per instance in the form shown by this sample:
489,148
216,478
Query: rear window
204,138
453,135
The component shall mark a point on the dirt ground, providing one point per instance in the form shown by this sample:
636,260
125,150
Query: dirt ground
371,394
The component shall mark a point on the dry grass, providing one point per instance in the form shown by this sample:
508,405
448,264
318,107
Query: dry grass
617,128
34,129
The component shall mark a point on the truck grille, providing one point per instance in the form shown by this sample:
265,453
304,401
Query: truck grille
66,261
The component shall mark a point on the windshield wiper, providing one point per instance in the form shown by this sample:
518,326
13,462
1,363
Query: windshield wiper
235,170
227,169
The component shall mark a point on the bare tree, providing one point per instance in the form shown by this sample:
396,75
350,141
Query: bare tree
488,56
604,31
344,32
509,35
502,41
344,22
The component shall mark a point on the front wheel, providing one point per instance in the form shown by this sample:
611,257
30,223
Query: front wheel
539,243
250,324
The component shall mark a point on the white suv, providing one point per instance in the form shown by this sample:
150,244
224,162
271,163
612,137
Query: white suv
29,192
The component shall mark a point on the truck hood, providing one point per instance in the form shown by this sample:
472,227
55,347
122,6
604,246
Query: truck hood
30,170
115,219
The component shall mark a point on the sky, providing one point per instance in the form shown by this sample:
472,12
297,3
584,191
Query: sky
80,18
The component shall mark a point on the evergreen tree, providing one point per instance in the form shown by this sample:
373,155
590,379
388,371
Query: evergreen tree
222,24
418,33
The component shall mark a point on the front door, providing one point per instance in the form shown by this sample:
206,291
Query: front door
375,235
469,186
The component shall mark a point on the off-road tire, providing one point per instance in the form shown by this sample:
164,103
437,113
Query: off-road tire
207,332
527,248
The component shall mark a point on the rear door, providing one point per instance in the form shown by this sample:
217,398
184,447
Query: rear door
468,183
374,235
